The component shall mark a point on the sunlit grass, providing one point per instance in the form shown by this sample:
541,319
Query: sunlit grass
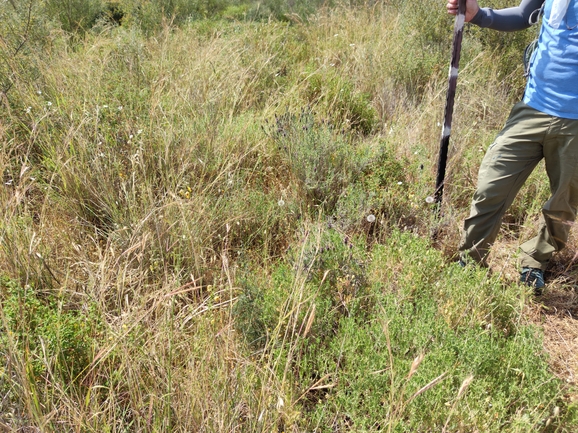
223,227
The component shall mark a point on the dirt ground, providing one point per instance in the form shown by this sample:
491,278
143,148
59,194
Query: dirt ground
556,310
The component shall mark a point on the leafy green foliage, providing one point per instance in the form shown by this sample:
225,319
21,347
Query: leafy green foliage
380,343
379,193
53,337
75,15
317,154
350,108
24,30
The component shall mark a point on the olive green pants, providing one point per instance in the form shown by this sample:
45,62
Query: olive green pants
528,136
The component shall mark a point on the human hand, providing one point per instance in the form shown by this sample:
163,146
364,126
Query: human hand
472,8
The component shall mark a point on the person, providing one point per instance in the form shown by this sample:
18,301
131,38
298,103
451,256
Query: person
543,125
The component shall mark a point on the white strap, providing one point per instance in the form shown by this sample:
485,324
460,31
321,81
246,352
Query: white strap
558,12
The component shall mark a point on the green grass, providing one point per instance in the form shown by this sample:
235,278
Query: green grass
218,222
359,334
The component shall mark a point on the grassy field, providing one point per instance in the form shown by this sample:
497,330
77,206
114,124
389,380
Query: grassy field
214,219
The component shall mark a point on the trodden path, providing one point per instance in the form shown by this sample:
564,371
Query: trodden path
557,313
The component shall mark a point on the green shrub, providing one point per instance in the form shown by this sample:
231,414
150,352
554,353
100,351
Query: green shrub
289,10
381,193
346,107
420,46
387,322
151,15
317,155
25,30
51,336
75,15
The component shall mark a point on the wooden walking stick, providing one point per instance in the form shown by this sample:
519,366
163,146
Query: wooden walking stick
449,110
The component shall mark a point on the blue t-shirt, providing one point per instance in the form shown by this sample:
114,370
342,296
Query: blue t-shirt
553,83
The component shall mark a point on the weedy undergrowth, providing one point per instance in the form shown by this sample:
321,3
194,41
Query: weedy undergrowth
170,265
356,340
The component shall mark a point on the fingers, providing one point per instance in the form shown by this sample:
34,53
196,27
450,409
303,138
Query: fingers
472,8
452,7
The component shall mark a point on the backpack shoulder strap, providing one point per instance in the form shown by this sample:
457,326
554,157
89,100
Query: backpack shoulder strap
535,18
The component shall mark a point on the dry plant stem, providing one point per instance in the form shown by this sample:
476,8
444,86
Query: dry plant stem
392,408
463,388
430,385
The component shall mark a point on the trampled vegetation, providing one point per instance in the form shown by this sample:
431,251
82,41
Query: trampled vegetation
214,219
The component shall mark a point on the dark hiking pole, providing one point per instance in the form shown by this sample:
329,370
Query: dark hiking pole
449,110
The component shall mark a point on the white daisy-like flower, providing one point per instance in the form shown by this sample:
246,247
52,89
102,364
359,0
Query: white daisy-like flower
370,218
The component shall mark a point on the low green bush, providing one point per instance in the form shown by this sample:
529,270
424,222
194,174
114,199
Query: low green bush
53,338
75,15
394,338
318,155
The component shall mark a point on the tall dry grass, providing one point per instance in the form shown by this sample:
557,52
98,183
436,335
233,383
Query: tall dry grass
147,193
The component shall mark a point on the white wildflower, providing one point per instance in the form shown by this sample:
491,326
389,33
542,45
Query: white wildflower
370,218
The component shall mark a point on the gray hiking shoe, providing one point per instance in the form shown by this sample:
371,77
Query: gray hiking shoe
534,278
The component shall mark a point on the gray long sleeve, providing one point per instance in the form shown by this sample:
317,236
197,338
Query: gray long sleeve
509,19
